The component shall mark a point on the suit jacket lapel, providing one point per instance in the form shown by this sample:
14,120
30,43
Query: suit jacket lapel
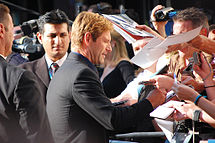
42,71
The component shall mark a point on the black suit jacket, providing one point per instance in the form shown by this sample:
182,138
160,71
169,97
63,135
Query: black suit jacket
79,111
23,117
40,69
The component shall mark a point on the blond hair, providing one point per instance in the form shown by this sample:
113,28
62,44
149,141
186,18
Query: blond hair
4,11
119,52
88,22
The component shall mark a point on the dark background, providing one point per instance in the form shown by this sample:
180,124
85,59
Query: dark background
71,7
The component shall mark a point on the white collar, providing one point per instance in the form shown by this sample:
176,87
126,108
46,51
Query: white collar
59,62
3,56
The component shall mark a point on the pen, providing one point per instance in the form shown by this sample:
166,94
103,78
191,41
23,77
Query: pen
175,78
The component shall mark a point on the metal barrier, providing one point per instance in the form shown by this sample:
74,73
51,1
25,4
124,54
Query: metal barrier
139,135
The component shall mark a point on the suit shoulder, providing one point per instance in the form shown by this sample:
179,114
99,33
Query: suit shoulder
32,64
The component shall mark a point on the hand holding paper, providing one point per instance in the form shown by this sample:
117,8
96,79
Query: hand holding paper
157,47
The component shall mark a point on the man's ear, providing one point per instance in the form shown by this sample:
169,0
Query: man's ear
87,38
2,30
39,37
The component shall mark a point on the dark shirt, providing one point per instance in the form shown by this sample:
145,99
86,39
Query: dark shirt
116,81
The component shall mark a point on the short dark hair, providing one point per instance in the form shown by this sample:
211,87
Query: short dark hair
195,15
53,17
4,10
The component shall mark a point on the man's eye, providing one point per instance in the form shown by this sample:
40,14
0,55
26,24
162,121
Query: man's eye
52,36
63,35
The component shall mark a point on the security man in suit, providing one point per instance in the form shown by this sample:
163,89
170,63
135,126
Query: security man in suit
54,35
23,117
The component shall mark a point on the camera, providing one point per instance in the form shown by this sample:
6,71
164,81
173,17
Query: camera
26,45
29,27
164,14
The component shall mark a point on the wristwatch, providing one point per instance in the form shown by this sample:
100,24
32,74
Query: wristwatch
196,115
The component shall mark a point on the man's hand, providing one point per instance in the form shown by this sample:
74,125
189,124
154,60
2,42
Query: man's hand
149,30
162,82
205,70
156,97
131,99
189,81
139,44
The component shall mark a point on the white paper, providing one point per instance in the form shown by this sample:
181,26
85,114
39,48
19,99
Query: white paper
156,47
181,38
162,112
166,127
149,54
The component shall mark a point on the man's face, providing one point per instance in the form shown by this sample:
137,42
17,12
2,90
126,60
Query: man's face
100,48
181,27
55,40
9,35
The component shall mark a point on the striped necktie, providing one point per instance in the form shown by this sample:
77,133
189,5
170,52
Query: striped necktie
52,69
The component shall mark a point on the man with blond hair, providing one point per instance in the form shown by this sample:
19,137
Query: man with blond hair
77,107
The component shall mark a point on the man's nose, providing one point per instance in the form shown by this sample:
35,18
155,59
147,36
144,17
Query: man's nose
58,40
109,48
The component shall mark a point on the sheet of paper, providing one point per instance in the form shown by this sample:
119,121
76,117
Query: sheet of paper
181,38
127,27
166,127
156,47
149,54
162,112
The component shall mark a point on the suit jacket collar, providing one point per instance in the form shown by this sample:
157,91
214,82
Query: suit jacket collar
79,57
42,72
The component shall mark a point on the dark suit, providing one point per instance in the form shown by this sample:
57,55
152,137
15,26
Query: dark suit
79,111
23,117
40,69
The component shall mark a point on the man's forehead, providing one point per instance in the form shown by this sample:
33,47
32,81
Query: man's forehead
182,26
54,27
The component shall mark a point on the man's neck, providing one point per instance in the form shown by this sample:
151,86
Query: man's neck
85,53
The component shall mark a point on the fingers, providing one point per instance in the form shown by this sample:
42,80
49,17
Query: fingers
186,80
139,44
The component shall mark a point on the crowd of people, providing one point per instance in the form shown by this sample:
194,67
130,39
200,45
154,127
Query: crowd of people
62,97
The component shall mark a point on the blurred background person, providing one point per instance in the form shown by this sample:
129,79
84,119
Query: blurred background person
211,33
23,117
193,99
118,70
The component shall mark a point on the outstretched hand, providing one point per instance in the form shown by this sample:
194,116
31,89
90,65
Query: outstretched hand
205,70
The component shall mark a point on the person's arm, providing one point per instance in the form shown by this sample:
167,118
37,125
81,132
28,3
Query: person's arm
89,95
189,81
187,93
185,111
127,71
31,109
205,71
203,43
